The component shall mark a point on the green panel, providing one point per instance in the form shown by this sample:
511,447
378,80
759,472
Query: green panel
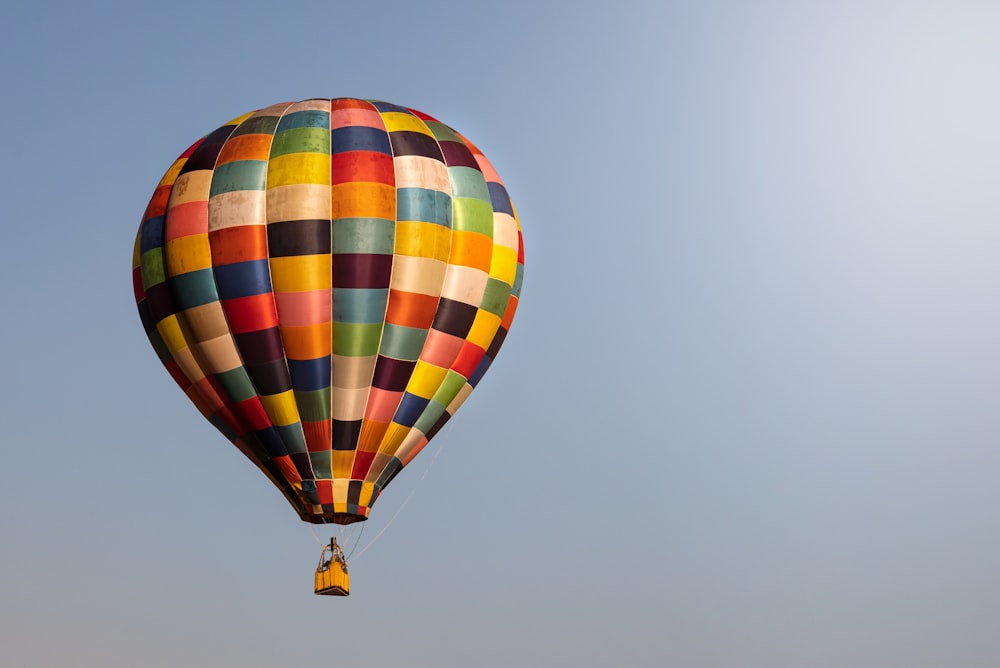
301,140
236,384
496,297
469,182
153,270
195,288
450,388
322,465
239,175
257,125
403,343
364,235
160,347
356,340
431,413
472,215
518,279
314,405
293,438
442,132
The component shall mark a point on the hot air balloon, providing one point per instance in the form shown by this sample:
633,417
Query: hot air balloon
327,281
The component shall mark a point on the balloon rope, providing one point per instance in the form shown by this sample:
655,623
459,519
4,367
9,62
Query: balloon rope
358,541
410,496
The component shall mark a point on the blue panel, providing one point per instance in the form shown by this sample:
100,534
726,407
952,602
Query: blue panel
410,409
359,138
388,106
310,118
500,198
242,279
360,305
271,440
480,371
310,375
152,234
429,206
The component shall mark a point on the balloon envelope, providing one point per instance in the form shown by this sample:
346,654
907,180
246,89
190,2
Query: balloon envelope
327,281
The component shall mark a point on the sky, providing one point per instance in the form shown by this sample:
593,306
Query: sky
747,412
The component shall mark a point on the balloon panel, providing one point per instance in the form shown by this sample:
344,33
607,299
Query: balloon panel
327,281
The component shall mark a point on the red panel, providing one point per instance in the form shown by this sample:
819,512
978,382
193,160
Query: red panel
238,244
362,462
411,309
362,166
318,436
287,468
468,359
254,412
324,488
177,374
251,314
158,203
421,115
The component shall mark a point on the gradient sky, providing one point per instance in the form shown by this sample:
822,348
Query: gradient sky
746,415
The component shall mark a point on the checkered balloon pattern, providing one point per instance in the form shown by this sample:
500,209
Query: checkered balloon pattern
327,281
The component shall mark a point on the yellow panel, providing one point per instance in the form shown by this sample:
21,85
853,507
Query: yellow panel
426,379
240,119
367,489
423,240
298,273
170,331
503,266
296,168
484,328
171,176
342,460
191,187
396,121
393,437
186,254
281,408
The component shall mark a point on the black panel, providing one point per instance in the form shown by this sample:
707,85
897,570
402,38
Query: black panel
299,237
454,317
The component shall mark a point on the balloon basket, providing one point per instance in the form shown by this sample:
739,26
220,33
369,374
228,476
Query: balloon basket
332,578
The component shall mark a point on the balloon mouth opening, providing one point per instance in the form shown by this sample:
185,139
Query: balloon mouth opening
334,518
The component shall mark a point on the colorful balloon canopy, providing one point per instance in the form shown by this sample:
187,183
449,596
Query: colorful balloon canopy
327,281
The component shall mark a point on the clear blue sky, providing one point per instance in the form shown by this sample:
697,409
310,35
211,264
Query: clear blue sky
747,414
